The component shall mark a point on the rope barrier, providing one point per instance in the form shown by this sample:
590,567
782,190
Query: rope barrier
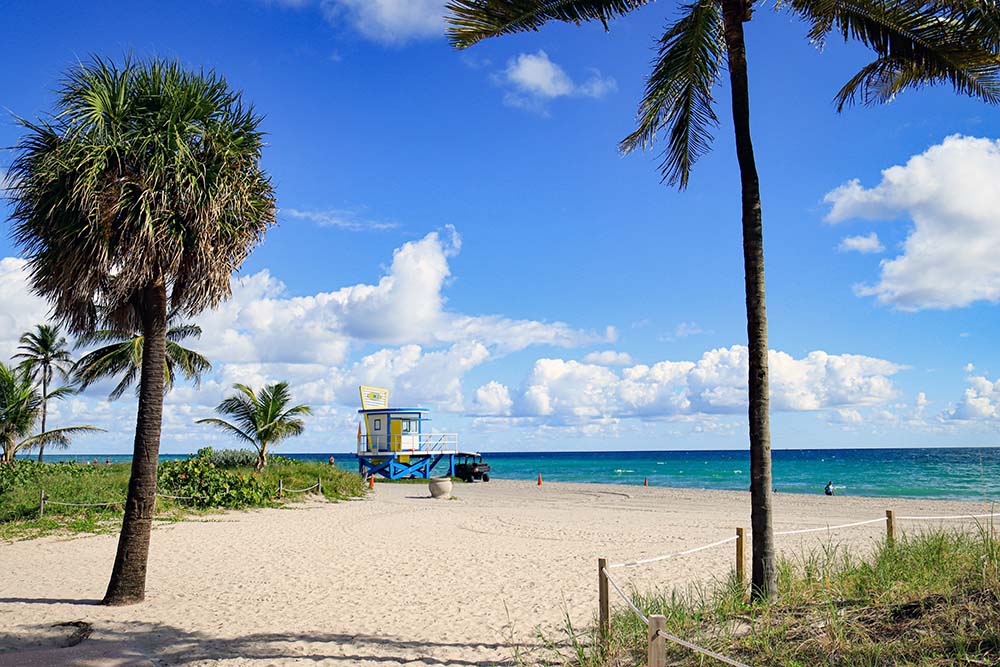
646,561
627,599
828,528
53,502
699,649
308,488
947,518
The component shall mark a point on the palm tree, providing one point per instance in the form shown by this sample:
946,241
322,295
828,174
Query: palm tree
141,194
260,419
44,353
915,42
21,406
122,355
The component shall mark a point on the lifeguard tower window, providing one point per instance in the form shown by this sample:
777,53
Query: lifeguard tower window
406,426
378,424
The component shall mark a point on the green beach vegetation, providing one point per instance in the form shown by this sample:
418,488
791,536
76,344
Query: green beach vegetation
929,599
206,481
915,43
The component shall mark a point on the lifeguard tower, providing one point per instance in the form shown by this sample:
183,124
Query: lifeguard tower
394,444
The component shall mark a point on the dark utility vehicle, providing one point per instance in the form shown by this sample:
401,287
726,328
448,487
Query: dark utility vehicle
471,468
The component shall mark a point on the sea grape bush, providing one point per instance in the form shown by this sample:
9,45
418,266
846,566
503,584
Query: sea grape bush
21,471
208,485
229,458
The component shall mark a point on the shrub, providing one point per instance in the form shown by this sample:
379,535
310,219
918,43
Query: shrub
210,486
229,458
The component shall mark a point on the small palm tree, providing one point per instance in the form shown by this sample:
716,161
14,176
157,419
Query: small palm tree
260,419
122,355
141,194
44,353
915,42
21,406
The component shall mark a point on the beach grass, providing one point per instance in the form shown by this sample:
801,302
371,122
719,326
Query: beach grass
21,486
930,599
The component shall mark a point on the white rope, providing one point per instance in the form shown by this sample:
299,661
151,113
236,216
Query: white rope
308,488
698,649
627,599
163,495
53,502
827,528
947,518
646,561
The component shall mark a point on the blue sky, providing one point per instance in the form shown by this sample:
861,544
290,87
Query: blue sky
461,228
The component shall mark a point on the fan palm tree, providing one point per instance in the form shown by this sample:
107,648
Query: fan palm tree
43,354
122,355
914,41
260,419
21,406
141,194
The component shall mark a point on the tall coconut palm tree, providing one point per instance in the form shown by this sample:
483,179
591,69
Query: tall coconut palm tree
21,406
122,355
141,194
260,419
44,353
915,42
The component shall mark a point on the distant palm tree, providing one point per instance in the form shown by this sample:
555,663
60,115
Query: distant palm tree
21,406
142,193
44,353
260,419
915,42
123,356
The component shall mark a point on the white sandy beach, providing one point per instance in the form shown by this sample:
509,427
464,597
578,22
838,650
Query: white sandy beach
396,578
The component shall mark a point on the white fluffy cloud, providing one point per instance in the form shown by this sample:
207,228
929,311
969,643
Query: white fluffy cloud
609,358
562,390
866,245
533,79
389,21
494,399
21,310
979,402
949,192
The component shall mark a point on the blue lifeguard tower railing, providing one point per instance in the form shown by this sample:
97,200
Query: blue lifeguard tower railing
394,444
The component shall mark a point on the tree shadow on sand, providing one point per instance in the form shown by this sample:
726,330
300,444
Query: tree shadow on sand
168,645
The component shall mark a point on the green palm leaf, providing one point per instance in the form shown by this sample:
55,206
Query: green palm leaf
473,20
678,96
916,43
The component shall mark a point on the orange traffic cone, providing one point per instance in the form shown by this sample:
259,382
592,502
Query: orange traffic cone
539,479
645,481
371,481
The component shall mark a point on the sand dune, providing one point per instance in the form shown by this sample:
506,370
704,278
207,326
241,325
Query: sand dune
397,578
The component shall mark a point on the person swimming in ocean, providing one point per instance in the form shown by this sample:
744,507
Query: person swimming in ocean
829,488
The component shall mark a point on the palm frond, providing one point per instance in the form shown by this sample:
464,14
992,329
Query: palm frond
58,437
678,96
915,42
471,21
229,428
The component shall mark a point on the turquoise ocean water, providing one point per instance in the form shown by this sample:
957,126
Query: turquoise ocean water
954,473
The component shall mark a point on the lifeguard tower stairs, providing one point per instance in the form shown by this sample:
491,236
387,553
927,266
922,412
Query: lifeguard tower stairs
394,444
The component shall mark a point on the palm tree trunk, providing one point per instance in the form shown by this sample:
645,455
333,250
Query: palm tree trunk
45,403
763,573
128,578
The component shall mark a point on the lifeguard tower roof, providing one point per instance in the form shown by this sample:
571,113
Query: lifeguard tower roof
393,443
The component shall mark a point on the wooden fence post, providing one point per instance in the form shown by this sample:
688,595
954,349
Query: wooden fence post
890,527
741,557
656,655
281,489
319,484
603,603
41,503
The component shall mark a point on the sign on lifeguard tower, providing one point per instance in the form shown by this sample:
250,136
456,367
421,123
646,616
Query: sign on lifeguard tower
394,443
